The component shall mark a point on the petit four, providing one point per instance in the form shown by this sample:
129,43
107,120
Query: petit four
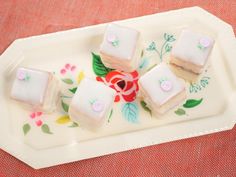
38,89
192,51
121,48
161,89
91,104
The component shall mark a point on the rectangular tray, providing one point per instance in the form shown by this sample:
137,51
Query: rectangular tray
61,141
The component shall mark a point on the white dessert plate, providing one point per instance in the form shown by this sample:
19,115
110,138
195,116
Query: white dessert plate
42,140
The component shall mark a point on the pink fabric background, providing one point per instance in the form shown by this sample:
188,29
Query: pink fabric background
210,155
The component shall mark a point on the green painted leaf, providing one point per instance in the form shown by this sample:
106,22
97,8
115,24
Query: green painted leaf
109,118
26,128
143,63
204,83
98,67
68,81
64,106
168,47
194,87
180,112
63,119
192,103
73,125
169,38
45,128
151,47
73,90
165,36
130,112
144,106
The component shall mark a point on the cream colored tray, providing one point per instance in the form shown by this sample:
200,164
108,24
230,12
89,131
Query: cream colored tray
43,140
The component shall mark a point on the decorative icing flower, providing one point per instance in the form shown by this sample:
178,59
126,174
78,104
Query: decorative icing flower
68,67
113,40
166,85
125,84
203,43
36,117
22,75
97,106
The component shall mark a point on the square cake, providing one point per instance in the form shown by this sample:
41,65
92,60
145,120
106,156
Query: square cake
121,48
38,89
91,104
161,89
192,51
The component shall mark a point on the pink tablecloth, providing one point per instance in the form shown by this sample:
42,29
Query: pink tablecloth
211,155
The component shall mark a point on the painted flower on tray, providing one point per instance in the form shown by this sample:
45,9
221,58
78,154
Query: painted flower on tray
68,72
36,118
67,67
125,84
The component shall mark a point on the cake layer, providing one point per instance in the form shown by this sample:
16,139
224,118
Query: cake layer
151,82
121,48
186,65
119,41
30,86
52,95
191,51
35,89
161,89
161,109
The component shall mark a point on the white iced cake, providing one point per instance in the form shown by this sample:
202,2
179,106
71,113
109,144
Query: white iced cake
161,89
121,48
192,51
38,89
91,104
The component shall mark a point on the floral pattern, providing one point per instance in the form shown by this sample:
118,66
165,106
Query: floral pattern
69,73
196,87
68,68
193,88
165,48
36,118
125,84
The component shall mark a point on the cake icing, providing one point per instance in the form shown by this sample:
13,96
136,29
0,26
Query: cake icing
121,48
91,103
193,47
161,84
30,86
37,89
125,38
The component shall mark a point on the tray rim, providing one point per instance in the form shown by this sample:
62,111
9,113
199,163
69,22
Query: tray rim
8,143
